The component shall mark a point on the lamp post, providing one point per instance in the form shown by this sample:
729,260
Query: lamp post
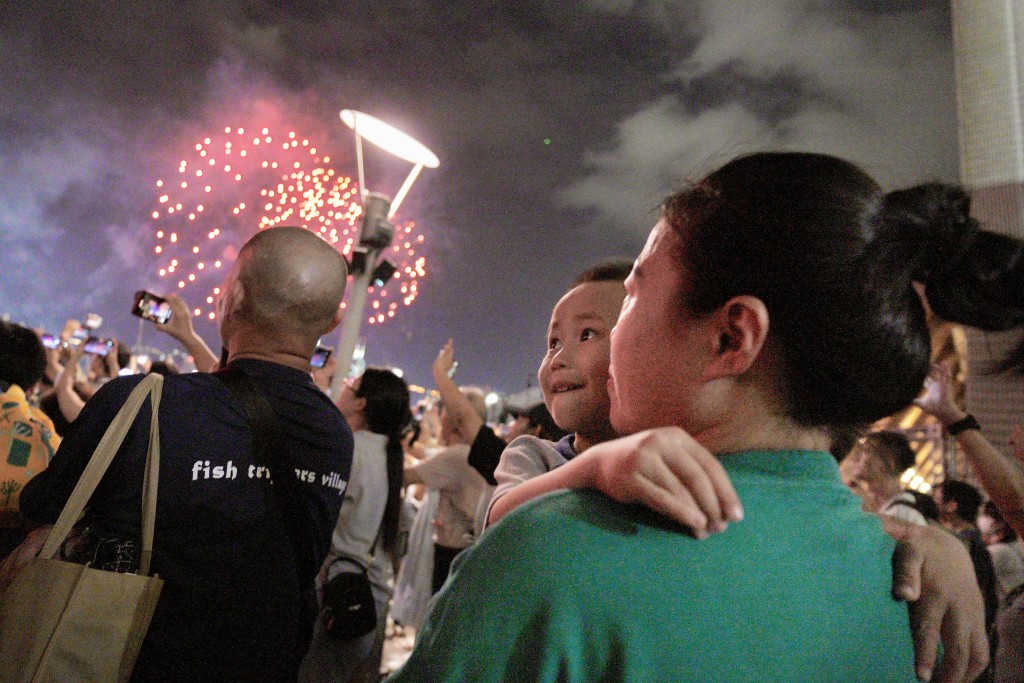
375,228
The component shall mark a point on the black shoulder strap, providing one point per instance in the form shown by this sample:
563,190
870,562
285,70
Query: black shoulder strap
270,452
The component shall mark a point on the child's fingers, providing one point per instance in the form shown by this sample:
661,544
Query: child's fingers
689,476
728,499
906,572
706,479
677,505
925,625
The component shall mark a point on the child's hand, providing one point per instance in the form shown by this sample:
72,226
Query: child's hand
933,573
667,471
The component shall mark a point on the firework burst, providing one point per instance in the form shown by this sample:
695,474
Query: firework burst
230,185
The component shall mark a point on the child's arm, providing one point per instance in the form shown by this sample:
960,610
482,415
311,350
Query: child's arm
663,469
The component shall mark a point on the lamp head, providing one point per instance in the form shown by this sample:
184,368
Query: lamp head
376,232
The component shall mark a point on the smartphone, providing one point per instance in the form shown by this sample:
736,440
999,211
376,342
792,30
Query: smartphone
51,341
79,336
92,321
151,307
98,347
320,356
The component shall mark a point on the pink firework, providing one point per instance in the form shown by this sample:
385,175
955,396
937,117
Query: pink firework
234,184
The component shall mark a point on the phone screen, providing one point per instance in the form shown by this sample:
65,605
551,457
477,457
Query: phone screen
320,356
99,347
151,307
92,321
51,341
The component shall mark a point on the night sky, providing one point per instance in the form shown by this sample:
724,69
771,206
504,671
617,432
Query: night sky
560,126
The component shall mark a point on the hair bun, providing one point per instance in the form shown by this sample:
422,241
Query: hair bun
929,227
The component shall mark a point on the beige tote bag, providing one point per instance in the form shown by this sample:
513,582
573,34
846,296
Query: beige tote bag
61,621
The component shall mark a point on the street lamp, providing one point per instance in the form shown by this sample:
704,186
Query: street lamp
375,228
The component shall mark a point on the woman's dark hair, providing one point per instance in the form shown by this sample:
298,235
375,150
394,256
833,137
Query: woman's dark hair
968,499
833,258
1005,531
925,504
387,412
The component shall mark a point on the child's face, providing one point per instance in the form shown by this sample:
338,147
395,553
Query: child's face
574,373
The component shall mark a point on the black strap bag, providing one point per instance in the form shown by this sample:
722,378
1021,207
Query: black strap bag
349,610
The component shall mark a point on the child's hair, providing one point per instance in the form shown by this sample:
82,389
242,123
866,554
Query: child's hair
613,270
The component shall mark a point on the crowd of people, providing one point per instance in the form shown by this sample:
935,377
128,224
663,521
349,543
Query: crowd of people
673,510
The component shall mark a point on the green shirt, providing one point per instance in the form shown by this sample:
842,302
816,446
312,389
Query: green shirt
576,587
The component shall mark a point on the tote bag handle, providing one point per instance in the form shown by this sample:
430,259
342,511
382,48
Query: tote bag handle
151,385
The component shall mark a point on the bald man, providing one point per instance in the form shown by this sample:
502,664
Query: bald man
233,605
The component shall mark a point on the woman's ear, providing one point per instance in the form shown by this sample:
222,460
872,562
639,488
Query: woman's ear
741,326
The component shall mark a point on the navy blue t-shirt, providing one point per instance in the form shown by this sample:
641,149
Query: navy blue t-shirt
229,609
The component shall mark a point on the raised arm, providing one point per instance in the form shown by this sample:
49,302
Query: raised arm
1000,476
68,400
180,327
467,421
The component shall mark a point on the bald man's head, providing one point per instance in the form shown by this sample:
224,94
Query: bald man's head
292,282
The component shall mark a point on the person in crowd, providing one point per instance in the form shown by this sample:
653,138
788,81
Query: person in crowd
485,445
958,504
574,380
463,491
237,573
1000,476
879,462
103,368
366,537
534,420
58,405
772,307
925,504
164,367
1005,547
28,440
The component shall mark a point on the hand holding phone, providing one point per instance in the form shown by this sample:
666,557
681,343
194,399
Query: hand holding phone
78,336
99,347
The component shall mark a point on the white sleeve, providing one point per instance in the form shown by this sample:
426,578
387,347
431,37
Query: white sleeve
525,458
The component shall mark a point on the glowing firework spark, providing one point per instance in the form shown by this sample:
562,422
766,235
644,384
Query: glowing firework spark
234,184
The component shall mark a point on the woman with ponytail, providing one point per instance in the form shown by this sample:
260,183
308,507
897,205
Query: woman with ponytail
773,309
366,538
